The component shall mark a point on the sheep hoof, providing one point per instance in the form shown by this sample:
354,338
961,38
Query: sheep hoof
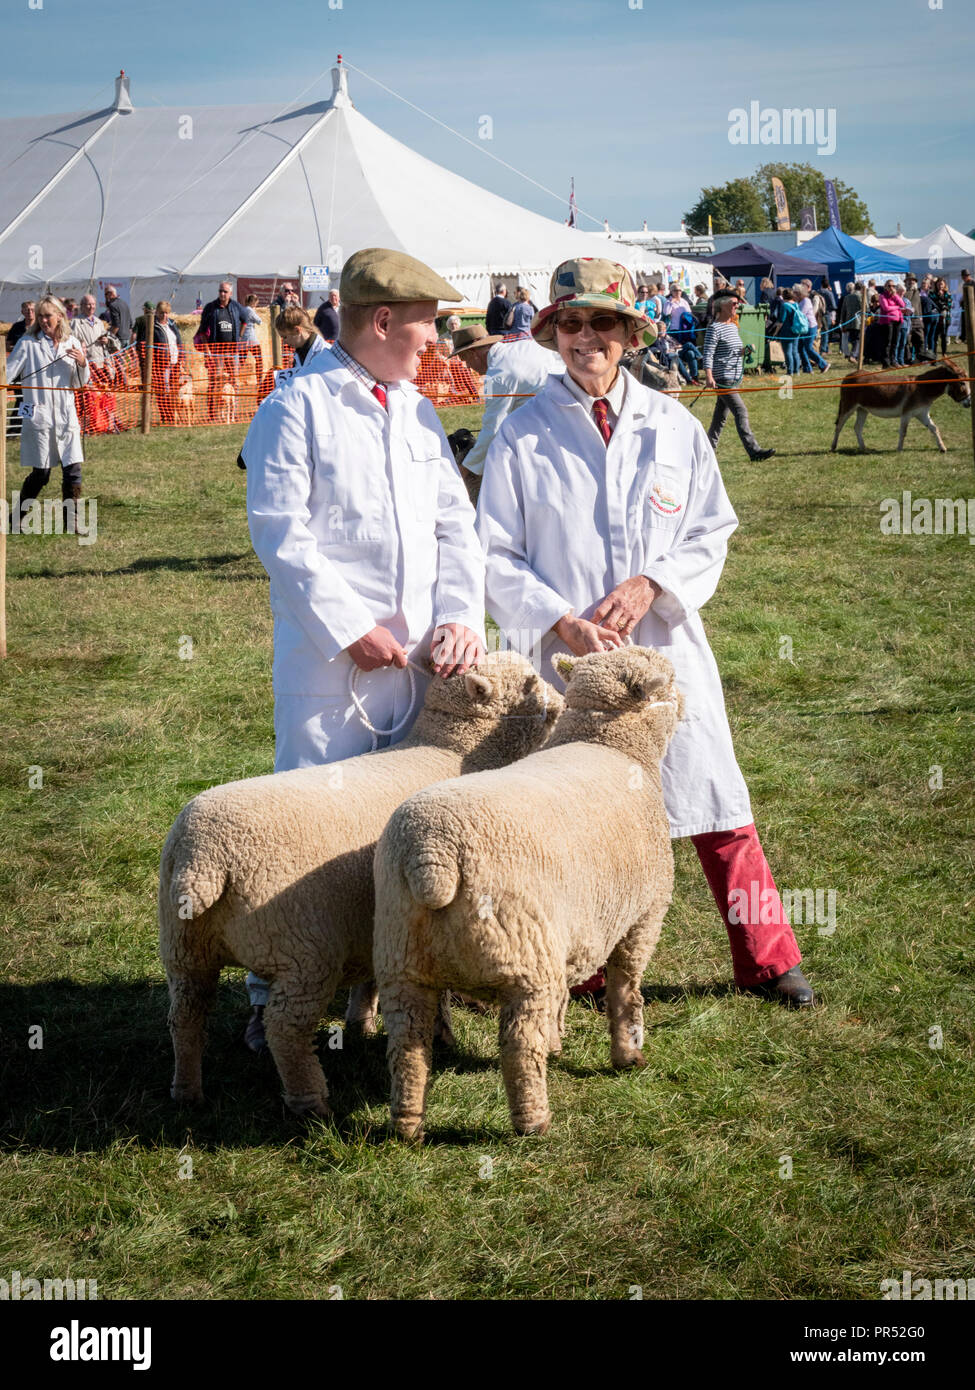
187,1095
630,1059
408,1131
306,1106
533,1126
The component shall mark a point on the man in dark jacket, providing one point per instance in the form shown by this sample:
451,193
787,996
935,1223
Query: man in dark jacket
18,329
219,333
497,311
117,315
327,317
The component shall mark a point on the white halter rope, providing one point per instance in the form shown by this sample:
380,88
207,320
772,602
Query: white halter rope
360,708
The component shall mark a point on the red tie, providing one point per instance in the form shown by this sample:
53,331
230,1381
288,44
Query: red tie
599,409
380,393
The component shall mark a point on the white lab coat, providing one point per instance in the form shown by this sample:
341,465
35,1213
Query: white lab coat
515,372
50,430
361,519
564,518
287,374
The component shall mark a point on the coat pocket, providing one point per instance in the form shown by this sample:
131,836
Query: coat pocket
424,479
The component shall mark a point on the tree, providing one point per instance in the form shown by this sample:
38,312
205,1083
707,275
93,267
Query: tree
734,207
803,184
747,205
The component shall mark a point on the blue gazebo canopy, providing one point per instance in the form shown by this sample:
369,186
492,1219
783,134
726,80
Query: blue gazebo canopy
847,258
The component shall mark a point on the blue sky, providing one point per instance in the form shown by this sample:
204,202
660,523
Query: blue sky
633,102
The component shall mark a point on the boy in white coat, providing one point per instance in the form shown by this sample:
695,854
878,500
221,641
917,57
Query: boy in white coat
358,513
603,517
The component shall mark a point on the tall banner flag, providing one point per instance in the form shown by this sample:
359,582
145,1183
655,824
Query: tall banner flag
833,204
710,229
572,205
781,206
807,218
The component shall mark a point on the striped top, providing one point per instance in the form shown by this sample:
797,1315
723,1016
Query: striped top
724,353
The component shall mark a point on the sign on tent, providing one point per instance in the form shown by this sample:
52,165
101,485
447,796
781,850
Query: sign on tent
314,277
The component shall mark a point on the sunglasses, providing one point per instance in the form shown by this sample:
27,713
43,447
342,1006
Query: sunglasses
601,323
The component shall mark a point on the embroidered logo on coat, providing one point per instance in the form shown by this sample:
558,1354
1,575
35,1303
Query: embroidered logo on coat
664,502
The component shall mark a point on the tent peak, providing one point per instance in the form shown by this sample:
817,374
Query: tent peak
340,85
123,102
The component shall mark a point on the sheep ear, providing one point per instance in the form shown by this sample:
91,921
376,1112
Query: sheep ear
479,688
644,687
564,665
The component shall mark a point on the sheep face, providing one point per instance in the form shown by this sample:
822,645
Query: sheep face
628,679
502,686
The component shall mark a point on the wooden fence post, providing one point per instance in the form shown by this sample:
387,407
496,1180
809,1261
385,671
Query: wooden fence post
970,343
275,340
863,327
149,324
3,497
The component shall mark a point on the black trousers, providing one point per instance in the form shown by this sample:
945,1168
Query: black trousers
37,479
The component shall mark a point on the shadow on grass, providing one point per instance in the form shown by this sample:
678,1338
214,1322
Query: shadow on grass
176,563
102,1073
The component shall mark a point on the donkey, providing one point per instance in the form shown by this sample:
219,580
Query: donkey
868,394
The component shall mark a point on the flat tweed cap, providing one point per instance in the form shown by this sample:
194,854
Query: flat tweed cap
378,276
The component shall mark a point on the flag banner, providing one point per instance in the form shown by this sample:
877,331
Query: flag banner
781,206
572,204
834,205
807,218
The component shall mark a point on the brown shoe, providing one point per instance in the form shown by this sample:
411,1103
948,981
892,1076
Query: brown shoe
254,1032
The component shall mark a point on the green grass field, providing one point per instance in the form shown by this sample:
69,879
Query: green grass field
675,1179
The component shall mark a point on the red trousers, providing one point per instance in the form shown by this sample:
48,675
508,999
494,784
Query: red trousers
763,945
762,942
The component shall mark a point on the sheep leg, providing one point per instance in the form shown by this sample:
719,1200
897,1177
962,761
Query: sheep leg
409,1013
624,1007
624,1002
291,1017
191,998
443,1028
558,1026
363,1006
525,1036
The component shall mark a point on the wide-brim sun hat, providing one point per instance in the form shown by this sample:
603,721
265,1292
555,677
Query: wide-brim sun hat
476,336
592,283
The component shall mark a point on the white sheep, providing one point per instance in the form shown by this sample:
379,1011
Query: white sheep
275,873
513,885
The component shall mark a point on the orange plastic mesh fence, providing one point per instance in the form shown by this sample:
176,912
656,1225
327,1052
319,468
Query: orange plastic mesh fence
223,384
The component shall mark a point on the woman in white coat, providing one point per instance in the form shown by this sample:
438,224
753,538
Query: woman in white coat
604,518
48,355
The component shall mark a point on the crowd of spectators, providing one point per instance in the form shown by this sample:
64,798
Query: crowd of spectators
908,322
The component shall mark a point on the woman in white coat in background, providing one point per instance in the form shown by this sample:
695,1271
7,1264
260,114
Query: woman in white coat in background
48,355
604,518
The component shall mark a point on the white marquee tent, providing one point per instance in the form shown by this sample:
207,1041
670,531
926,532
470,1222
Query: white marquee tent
944,250
169,201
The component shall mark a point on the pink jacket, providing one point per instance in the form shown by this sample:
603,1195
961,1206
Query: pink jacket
891,307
